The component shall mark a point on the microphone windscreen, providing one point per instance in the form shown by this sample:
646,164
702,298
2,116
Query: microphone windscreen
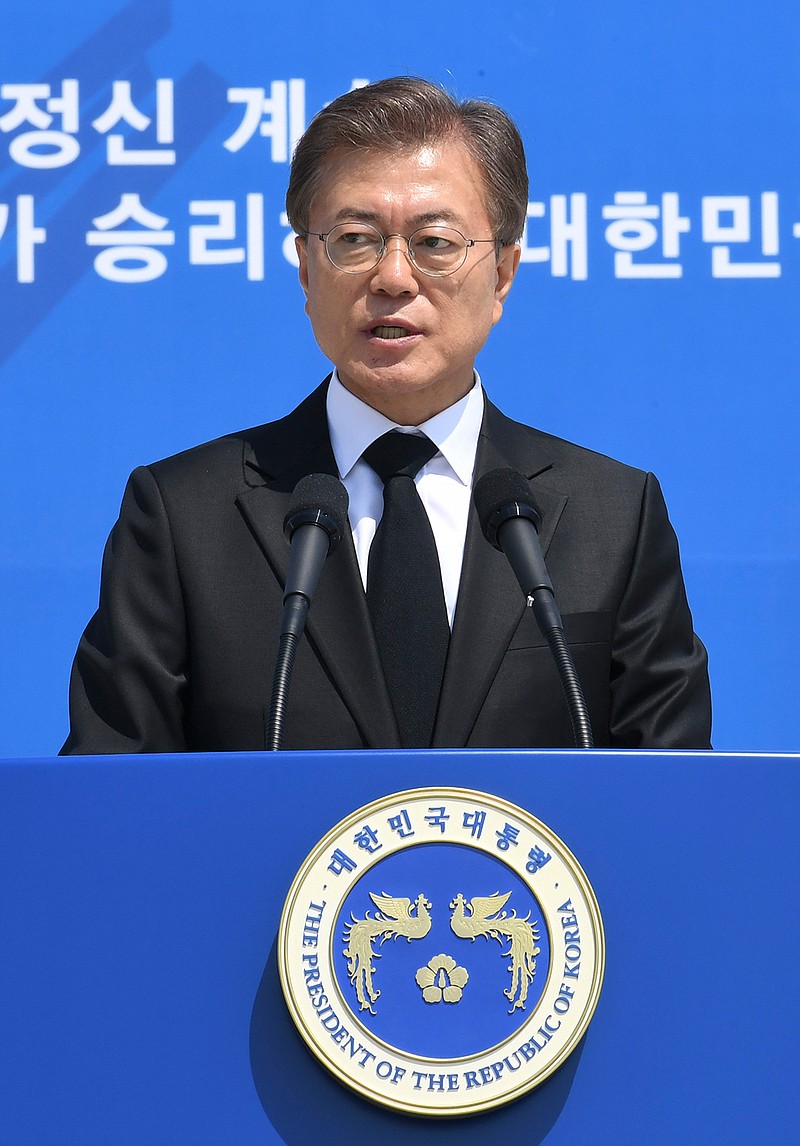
501,495
319,499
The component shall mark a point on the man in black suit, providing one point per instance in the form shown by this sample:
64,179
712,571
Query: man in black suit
409,208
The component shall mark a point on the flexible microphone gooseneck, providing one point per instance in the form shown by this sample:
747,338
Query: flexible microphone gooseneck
313,528
510,522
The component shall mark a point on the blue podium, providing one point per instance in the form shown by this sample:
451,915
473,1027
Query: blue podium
139,908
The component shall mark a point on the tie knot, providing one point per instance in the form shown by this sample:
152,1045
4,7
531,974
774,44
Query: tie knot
396,454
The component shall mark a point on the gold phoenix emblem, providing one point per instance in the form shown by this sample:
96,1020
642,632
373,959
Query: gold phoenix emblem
317,948
487,918
394,917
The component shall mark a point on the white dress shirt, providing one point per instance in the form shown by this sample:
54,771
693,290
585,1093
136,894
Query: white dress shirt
444,484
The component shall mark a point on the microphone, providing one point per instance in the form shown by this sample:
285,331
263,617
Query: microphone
313,527
510,522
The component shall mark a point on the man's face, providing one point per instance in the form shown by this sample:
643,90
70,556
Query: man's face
445,320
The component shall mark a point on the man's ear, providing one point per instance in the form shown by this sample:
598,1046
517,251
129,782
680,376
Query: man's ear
507,266
301,246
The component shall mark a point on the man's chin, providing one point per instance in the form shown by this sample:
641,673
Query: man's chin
400,394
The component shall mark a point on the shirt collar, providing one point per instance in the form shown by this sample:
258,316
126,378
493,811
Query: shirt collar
354,425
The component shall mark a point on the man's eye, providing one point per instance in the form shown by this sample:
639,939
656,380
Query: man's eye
435,242
354,237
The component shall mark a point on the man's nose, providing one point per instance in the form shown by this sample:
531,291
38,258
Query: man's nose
395,273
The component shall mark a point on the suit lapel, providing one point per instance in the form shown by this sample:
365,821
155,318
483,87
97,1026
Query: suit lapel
490,601
338,625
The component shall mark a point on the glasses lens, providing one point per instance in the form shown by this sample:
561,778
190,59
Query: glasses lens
438,250
354,246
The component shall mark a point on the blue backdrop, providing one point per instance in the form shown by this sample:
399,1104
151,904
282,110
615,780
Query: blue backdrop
654,317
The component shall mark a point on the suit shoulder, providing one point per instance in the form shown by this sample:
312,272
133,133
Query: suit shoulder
594,464
212,455
541,452
252,454
204,472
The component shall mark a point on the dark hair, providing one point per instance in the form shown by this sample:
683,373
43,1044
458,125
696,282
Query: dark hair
403,113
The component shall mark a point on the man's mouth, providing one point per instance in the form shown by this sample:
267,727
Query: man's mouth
390,331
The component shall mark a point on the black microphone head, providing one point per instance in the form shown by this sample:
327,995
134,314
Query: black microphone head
318,499
501,495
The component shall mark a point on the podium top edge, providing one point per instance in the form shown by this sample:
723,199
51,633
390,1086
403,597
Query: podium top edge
430,754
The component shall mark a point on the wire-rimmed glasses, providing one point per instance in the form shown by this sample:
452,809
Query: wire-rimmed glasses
356,248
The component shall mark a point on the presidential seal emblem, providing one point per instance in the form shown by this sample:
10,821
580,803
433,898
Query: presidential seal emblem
441,951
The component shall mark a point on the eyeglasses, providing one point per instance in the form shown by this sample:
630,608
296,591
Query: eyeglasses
356,248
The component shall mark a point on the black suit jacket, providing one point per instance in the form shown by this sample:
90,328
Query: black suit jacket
181,651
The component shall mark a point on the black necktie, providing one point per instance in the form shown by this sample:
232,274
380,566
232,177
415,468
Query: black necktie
404,588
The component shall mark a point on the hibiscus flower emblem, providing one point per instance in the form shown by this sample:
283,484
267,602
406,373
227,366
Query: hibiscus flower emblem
442,980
